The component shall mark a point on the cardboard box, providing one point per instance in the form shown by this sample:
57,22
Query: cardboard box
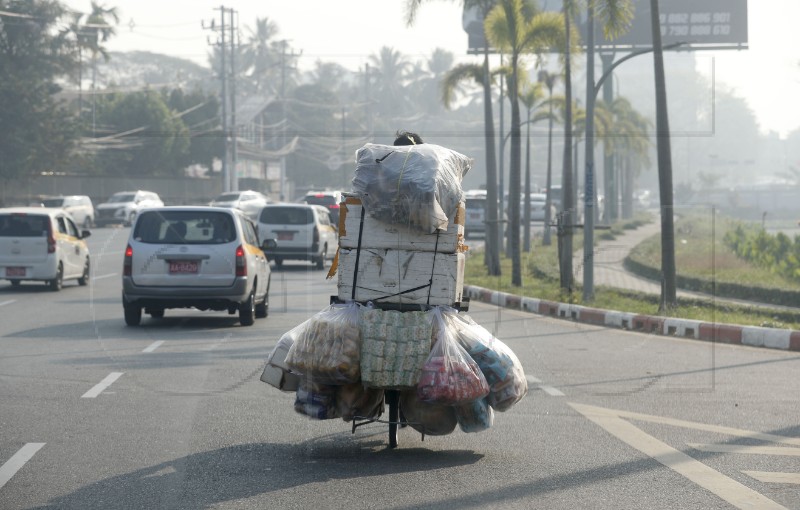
379,234
401,276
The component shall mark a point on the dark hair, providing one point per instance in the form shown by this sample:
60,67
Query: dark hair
407,138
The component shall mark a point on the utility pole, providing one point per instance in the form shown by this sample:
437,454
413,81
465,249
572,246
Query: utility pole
234,130
226,182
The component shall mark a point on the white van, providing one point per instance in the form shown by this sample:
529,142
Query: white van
42,245
302,232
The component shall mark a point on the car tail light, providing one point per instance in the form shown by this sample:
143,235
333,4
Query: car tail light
51,240
241,266
127,262
315,240
333,206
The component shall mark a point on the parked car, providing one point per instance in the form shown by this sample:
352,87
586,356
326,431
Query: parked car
329,199
249,202
475,205
42,245
301,231
79,206
123,207
208,258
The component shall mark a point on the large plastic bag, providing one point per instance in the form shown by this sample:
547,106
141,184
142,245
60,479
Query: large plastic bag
475,416
327,347
498,363
357,401
414,185
449,376
430,419
276,372
315,400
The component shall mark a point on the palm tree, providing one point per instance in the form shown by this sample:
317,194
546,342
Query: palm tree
669,298
549,80
392,70
567,205
97,30
616,16
492,225
532,99
516,29
263,54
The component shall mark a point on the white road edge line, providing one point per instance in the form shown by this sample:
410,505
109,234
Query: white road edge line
4,303
726,488
774,477
155,345
102,385
18,460
109,275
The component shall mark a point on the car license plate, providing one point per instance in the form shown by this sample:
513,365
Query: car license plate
15,271
183,266
285,236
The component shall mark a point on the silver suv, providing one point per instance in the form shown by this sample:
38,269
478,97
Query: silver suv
208,258
123,207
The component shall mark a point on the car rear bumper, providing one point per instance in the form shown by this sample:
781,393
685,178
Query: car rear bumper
215,298
45,270
291,254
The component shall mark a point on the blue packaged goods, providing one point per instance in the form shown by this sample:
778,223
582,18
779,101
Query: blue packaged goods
475,416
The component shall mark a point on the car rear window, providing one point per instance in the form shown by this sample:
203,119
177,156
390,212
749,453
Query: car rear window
185,227
23,225
227,197
325,200
53,202
475,203
286,216
121,198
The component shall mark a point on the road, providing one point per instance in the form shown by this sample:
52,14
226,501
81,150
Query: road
171,414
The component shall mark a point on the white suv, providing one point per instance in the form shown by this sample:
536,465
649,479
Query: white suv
208,258
44,245
301,232
123,207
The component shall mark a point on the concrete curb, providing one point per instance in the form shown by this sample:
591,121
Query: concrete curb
784,339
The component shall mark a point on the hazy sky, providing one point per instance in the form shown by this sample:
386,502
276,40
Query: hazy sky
348,31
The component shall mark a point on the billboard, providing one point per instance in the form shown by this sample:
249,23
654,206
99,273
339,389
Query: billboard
702,24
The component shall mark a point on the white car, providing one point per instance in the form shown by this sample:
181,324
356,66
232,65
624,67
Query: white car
42,244
123,207
301,232
207,258
249,202
79,206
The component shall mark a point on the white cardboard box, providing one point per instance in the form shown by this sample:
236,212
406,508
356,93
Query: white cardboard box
379,234
401,276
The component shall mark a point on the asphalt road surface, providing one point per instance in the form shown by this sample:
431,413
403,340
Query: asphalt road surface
172,414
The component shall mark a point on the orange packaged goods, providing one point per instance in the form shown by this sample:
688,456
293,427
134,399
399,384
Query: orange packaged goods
327,347
450,376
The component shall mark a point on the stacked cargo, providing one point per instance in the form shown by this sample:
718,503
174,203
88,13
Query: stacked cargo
395,325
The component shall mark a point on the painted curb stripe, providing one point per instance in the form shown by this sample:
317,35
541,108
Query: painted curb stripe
783,339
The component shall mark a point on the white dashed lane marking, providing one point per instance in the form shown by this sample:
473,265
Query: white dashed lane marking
4,303
553,392
102,385
18,460
103,276
152,347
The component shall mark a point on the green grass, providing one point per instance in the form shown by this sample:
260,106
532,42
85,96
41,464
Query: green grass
697,256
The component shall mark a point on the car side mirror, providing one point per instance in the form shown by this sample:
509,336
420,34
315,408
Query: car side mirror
85,233
269,244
